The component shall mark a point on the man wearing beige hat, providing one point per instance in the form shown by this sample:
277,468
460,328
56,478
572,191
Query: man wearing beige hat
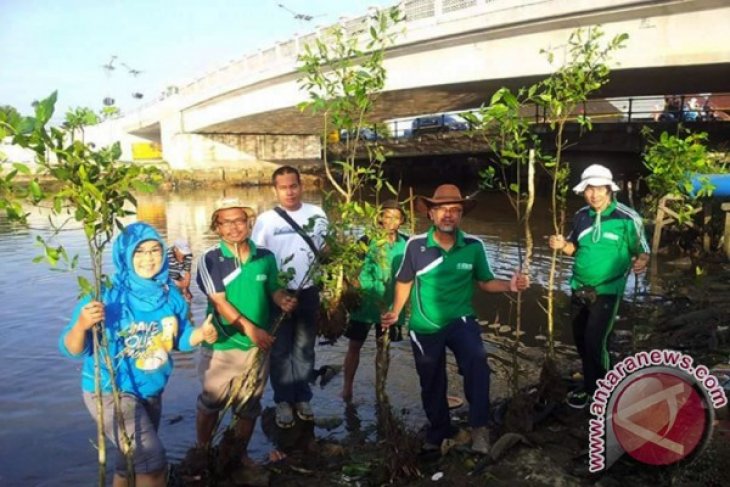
607,242
438,274
239,279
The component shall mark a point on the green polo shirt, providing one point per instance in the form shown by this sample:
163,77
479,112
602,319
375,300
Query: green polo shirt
377,279
605,244
443,285
248,287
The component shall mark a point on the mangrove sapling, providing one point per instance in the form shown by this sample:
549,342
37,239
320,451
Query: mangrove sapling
673,162
584,72
512,143
94,190
343,75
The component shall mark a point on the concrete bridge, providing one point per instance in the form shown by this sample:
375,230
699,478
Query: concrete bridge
452,55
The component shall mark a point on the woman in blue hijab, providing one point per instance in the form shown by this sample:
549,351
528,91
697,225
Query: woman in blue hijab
145,317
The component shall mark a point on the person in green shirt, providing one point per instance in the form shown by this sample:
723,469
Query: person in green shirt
438,273
607,242
376,282
239,280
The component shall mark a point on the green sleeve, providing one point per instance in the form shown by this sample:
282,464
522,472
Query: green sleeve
370,273
272,277
482,270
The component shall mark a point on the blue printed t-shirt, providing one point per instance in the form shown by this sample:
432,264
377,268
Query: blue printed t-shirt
248,287
444,280
139,344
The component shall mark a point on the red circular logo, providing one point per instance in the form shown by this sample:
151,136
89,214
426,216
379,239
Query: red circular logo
659,418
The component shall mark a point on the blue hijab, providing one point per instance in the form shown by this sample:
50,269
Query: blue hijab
134,291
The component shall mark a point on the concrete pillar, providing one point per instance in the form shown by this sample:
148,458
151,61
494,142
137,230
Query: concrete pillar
174,141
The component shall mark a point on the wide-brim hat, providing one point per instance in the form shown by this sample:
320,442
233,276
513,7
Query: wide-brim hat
228,203
391,204
596,175
443,195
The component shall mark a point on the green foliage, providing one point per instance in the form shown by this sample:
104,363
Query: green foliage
509,136
109,112
95,189
673,161
584,72
11,192
343,75
8,116
78,118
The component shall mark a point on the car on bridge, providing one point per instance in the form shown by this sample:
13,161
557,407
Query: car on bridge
437,123
365,133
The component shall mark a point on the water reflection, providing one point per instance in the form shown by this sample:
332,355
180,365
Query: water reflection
41,407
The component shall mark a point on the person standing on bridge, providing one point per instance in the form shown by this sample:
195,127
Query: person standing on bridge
438,273
608,242
295,233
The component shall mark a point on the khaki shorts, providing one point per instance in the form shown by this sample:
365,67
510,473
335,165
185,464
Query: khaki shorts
141,422
220,371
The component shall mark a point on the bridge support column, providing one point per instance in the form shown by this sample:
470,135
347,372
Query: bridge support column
256,155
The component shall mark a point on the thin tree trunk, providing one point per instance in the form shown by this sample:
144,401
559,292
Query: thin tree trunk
100,439
554,256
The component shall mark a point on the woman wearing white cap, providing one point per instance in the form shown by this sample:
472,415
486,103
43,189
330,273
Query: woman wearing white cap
608,242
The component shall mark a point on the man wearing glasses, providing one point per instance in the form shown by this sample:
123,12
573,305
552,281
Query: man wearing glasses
239,279
438,274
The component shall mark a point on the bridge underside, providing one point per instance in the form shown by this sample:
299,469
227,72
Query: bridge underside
150,132
463,96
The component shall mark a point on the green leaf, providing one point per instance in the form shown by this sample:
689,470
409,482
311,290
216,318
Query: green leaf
35,190
85,286
21,168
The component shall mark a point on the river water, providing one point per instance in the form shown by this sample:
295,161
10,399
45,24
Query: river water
46,433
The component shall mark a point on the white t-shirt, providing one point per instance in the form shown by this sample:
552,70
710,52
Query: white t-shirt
272,232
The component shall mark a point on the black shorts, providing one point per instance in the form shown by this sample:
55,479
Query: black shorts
358,331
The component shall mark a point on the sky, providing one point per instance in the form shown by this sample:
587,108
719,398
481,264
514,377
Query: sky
48,45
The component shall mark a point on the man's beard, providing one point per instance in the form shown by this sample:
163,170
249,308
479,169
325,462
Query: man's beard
447,228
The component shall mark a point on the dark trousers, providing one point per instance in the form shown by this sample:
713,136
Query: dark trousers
592,327
292,355
463,337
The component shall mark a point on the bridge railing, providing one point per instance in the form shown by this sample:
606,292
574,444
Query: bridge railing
637,109
286,53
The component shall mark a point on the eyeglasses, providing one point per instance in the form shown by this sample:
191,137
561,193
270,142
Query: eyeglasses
456,210
151,252
239,222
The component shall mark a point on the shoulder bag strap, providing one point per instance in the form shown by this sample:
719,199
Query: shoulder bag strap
283,214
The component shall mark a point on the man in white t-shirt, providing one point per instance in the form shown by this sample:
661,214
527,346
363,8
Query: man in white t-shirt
292,355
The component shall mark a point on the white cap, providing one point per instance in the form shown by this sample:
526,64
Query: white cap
596,175
183,246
